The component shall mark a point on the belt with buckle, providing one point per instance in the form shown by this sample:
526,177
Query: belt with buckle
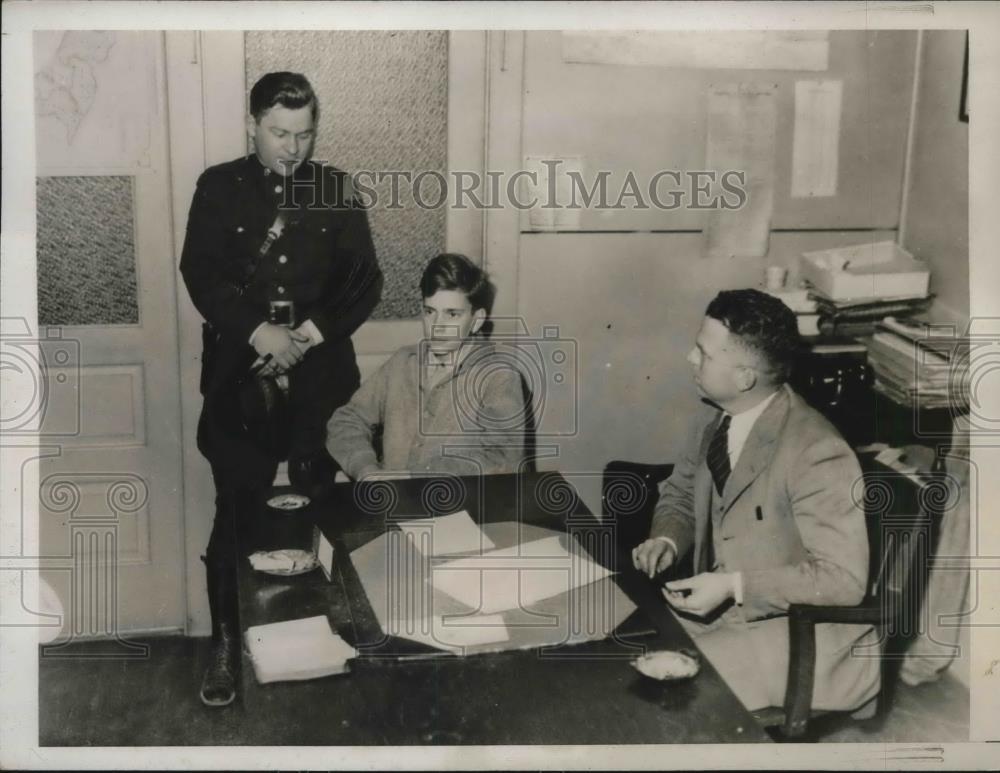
281,313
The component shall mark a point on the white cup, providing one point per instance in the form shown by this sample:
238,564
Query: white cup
774,277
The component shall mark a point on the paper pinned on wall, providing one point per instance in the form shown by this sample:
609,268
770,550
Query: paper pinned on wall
815,149
744,50
742,123
550,185
95,101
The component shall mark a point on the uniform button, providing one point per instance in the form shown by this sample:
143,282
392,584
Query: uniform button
281,291
278,189
267,171
323,230
239,229
283,259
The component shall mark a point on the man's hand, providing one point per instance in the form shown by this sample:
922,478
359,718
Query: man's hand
282,344
708,591
653,556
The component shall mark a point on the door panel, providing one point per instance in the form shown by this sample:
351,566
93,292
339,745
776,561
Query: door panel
110,494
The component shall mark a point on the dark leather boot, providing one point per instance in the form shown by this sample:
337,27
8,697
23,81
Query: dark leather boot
218,686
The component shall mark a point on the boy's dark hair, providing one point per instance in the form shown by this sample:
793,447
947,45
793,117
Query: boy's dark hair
451,271
762,323
288,89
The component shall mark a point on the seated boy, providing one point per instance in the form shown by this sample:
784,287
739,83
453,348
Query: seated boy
452,403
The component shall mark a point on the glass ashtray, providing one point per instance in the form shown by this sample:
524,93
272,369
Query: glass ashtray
288,502
668,665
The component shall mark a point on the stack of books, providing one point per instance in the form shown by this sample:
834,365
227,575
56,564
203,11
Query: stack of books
861,317
916,368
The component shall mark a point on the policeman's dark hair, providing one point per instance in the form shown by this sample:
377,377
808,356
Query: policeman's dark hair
288,89
451,271
763,324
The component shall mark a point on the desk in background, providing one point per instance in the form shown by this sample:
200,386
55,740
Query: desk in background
585,694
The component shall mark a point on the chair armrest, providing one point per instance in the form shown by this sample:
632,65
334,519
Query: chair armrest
802,621
870,611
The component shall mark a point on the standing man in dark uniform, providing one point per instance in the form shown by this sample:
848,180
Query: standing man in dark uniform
279,260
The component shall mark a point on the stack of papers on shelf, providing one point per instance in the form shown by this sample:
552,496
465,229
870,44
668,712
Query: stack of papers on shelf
297,649
861,317
915,368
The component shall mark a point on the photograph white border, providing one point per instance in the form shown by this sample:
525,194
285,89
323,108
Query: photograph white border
18,648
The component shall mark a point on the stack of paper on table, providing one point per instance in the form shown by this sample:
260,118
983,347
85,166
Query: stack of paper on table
540,588
297,649
447,535
518,576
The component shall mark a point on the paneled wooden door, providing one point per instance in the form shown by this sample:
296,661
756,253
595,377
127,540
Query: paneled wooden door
111,493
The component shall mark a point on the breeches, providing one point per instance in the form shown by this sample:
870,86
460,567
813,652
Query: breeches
242,469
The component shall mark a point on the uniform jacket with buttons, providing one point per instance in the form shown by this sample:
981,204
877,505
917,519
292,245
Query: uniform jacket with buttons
324,259
788,519
471,423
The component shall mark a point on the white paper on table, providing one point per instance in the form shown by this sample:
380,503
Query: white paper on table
449,534
517,576
742,124
297,649
815,149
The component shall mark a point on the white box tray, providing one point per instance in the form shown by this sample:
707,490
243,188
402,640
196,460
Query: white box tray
878,270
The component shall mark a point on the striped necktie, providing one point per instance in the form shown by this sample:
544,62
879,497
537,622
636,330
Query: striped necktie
718,454
718,465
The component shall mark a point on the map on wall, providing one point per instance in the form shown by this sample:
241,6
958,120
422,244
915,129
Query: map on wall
95,100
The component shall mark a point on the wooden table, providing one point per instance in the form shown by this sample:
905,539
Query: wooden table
585,694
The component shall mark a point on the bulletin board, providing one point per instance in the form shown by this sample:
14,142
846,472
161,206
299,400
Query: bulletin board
649,117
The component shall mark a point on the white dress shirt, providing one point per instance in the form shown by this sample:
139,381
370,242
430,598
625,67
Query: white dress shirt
740,426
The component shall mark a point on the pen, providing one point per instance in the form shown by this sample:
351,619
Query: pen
404,658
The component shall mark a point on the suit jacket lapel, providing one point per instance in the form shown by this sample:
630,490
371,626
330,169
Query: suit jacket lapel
758,449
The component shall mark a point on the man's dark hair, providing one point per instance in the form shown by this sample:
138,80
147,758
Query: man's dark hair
762,323
288,89
451,271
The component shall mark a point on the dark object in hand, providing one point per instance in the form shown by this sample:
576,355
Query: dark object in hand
264,414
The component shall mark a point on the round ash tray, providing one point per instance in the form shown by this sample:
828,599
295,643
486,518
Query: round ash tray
668,665
288,502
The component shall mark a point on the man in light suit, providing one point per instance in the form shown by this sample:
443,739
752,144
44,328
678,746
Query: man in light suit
764,494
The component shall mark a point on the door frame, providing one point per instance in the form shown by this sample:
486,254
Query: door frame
206,77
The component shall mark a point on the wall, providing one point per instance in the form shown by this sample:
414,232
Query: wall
937,217
632,304
936,223
632,296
